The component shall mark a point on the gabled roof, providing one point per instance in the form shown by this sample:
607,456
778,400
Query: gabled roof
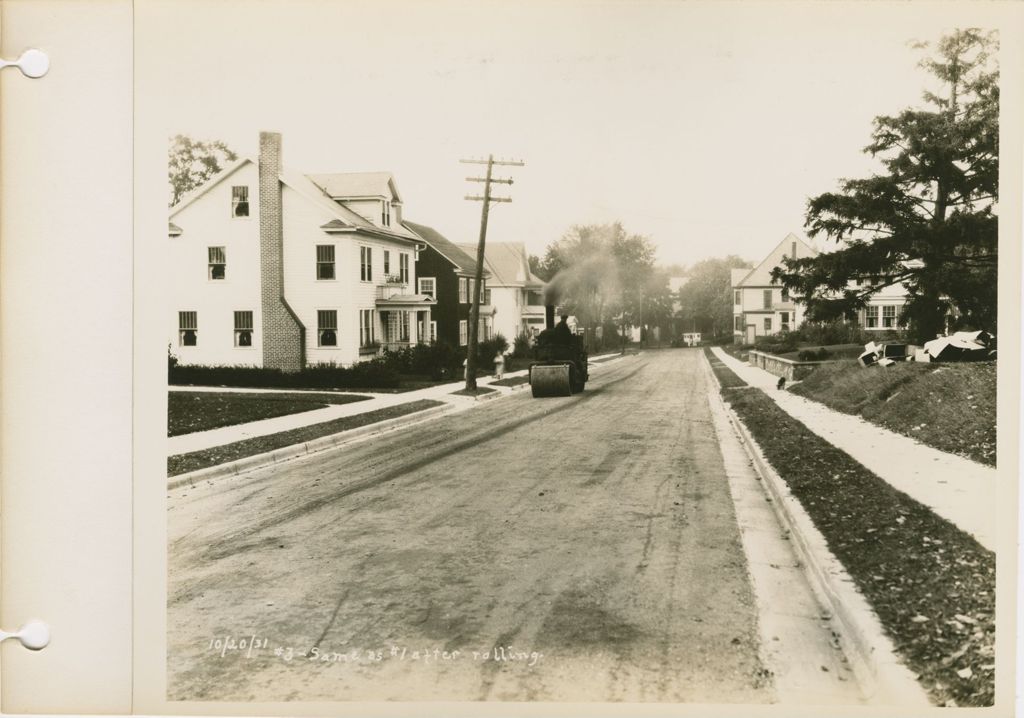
228,170
760,275
358,185
343,218
461,260
508,264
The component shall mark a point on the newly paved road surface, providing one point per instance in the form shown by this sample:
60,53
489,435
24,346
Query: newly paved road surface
592,538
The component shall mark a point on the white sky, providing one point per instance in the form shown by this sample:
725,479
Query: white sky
705,126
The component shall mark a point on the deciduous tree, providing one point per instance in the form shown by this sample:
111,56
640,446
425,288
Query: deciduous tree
191,162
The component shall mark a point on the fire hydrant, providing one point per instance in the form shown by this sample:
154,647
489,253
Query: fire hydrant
499,365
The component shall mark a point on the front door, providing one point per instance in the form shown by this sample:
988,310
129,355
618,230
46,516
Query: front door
751,333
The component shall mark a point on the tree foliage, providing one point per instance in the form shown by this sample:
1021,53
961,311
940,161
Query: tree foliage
191,162
705,301
602,275
929,220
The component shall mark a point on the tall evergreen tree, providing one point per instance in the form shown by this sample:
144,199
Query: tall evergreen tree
929,221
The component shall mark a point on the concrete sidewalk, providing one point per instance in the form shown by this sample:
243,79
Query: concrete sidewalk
958,489
201,440
229,434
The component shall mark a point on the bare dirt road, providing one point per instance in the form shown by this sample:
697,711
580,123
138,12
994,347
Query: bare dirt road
579,548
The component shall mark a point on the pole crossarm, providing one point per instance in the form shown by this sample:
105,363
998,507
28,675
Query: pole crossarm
478,198
498,180
506,163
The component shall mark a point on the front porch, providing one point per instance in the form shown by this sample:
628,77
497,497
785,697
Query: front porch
402,320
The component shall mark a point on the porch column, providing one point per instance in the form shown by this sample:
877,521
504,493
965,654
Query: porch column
426,325
410,318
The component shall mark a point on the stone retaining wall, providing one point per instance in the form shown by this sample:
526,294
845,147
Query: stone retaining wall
792,370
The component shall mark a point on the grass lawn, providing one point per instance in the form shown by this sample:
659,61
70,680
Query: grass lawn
190,411
836,351
184,463
951,407
513,381
726,376
479,390
932,585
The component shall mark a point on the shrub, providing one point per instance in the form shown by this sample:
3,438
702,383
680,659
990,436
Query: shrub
780,344
365,375
811,355
839,332
487,350
522,346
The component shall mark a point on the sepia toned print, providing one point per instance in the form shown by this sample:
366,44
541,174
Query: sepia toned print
646,362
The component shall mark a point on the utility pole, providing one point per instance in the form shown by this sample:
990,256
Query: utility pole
474,312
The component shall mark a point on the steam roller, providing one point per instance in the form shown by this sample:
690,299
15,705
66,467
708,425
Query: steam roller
560,366
551,380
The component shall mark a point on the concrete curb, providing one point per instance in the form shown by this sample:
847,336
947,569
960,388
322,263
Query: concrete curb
286,453
882,676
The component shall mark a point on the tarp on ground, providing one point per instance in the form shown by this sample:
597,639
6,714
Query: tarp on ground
957,348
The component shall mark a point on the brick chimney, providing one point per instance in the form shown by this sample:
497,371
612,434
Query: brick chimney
283,333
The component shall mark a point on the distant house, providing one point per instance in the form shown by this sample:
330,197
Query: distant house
882,311
445,272
762,307
276,269
516,294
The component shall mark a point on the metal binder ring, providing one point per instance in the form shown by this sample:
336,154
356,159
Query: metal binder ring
32,63
34,635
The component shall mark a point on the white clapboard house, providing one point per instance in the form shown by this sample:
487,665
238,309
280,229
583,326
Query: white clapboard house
281,270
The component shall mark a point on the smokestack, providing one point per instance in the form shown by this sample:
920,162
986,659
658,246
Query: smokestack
549,316
283,335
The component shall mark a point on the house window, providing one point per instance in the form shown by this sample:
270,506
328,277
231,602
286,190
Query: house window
325,261
385,215
243,329
217,262
767,324
240,201
793,249
403,326
188,329
784,319
463,333
425,285
736,297
483,330
366,334
327,328
738,323
433,332
403,268
463,290
486,298
785,294
387,262
889,316
366,264
871,317
483,289
767,299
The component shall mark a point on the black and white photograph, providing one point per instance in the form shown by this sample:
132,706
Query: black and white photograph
582,352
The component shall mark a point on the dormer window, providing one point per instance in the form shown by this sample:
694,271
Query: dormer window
240,201
385,214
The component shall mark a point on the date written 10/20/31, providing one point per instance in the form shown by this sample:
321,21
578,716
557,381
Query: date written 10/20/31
230,644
